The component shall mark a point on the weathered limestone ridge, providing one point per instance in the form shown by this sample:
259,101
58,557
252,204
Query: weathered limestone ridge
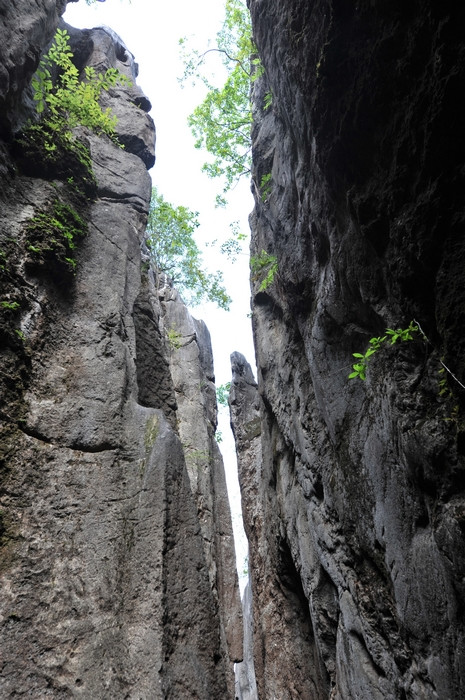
192,372
353,491
244,407
117,571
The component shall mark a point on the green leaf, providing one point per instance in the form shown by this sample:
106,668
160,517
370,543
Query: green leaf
375,344
264,267
222,393
171,243
221,124
67,102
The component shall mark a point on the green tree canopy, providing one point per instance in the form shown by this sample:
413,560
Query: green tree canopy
170,239
222,122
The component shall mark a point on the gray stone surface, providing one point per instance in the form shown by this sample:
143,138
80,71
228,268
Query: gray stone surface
24,31
357,515
135,128
154,380
246,687
285,662
106,587
192,371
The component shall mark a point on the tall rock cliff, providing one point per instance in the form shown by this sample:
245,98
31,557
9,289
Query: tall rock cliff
117,573
353,490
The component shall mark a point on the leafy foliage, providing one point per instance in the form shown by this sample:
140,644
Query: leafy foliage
9,305
68,101
170,239
53,234
264,267
268,101
47,151
174,338
392,336
232,246
48,146
401,334
221,123
222,393
265,187
63,102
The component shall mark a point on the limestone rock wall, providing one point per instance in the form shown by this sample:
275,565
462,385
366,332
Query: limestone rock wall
190,349
25,30
246,686
107,589
354,498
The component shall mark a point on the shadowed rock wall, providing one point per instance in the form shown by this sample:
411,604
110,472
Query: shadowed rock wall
106,586
356,523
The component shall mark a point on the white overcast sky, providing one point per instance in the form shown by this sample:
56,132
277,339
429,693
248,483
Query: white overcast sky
151,30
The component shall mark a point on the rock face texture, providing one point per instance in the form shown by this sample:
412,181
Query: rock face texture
353,491
245,419
25,30
191,363
246,687
111,584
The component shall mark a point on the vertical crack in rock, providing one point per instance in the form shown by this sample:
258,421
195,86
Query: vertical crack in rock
281,618
154,381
